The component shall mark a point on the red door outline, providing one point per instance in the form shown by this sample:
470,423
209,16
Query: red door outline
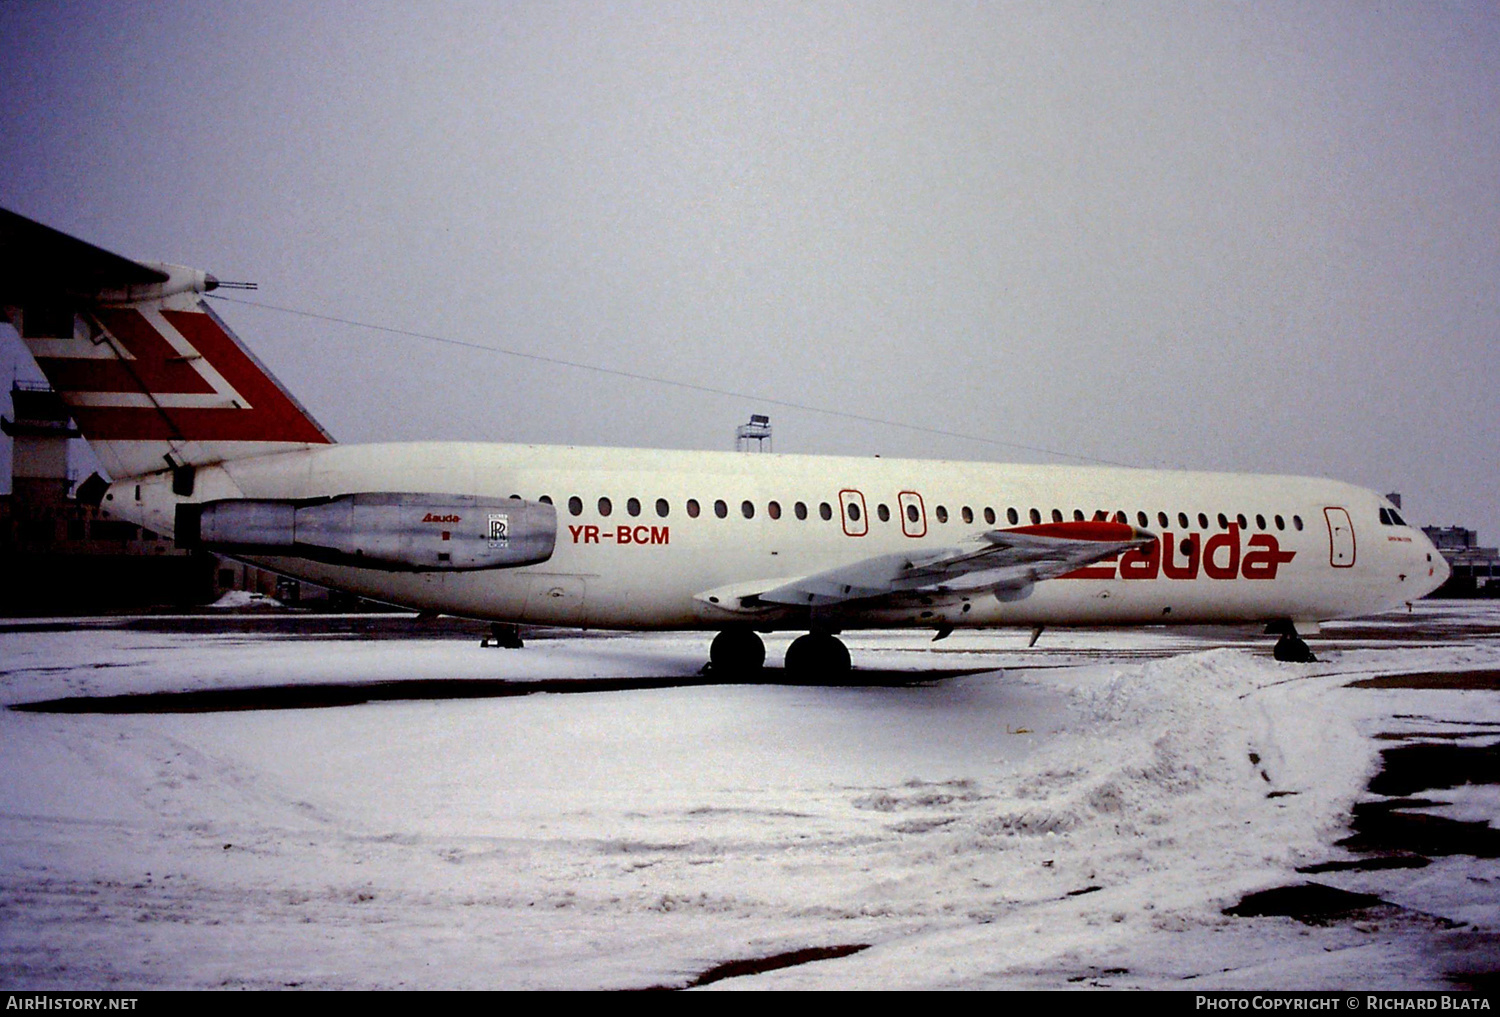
1341,544
910,527
859,525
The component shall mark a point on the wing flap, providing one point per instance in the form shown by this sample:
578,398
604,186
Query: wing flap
994,561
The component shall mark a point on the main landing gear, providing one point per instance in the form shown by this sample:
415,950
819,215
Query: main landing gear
816,657
737,653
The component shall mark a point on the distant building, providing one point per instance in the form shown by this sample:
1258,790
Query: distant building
1475,568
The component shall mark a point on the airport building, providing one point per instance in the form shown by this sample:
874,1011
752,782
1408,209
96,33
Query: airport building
1475,568
60,555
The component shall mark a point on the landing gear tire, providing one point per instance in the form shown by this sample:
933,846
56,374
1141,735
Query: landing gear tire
506,637
1292,650
818,657
737,653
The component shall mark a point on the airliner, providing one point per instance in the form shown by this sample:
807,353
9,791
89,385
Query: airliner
200,441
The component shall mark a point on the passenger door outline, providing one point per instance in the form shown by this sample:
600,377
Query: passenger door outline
917,527
859,525
1341,544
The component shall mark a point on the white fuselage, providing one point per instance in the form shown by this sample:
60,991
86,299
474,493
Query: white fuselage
656,567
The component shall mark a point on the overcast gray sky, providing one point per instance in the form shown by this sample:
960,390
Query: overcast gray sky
1237,236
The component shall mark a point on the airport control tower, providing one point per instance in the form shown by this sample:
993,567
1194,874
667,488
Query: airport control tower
754,436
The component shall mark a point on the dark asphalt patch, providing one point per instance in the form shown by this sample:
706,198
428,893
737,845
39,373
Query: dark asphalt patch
1419,766
321,696
1396,826
1396,861
774,962
1312,903
1478,679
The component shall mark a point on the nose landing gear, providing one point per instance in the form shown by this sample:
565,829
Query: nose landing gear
1293,650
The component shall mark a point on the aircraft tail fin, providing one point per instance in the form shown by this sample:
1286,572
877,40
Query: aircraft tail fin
153,377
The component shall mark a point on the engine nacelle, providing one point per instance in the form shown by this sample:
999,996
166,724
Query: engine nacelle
390,531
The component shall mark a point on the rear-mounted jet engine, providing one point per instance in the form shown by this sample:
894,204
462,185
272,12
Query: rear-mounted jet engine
391,532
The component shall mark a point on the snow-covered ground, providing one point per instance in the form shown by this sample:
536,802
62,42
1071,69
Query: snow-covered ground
1074,814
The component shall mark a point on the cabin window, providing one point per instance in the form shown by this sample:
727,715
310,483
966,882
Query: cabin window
575,506
1241,520
1280,523
825,512
1100,516
1120,516
883,512
853,509
545,499
1297,523
692,508
747,509
1162,520
800,509
989,515
942,514
912,514
605,507
1012,516
1223,522
773,509
1057,515
1078,515
1036,517
1142,520
1202,521
1260,521
968,514
1182,520
662,508
720,509
633,506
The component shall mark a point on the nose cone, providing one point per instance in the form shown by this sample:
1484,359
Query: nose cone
1438,569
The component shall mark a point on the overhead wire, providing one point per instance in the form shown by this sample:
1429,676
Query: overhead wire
658,380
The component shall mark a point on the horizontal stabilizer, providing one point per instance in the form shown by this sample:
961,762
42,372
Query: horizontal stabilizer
155,380
39,263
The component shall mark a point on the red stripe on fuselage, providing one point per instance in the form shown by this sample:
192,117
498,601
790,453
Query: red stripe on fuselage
1087,530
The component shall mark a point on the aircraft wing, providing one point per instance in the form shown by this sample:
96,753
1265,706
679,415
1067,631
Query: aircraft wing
997,561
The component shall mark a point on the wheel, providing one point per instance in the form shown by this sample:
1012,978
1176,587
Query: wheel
817,657
1292,650
507,637
737,653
